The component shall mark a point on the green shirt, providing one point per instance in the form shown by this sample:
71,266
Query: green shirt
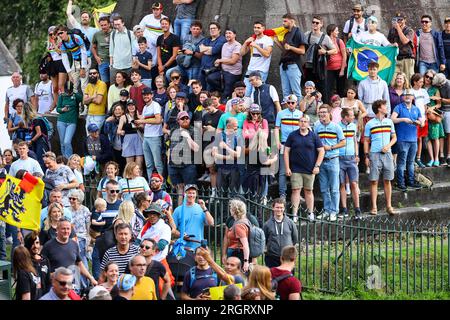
101,40
240,119
72,102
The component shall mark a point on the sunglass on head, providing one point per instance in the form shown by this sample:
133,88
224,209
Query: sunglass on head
114,191
146,247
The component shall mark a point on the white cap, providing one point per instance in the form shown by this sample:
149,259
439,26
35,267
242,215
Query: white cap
97,291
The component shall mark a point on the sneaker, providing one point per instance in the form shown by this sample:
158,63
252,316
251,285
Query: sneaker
323,216
436,164
419,163
343,212
311,217
401,187
357,214
442,160
448,161
332,217
415,185
207,179
430,163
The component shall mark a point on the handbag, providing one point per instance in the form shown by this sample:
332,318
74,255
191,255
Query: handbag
434,115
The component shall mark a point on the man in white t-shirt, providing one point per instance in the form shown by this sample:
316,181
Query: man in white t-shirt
355,24
152,132
17,91
25,162
372,36
44,94
152,26
261,54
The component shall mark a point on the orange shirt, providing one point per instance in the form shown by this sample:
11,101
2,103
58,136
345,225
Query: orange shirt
238,231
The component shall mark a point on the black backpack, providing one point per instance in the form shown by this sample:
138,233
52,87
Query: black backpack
352,22
44,63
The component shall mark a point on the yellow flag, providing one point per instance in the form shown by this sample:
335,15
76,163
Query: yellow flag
20,201
96,12
216,293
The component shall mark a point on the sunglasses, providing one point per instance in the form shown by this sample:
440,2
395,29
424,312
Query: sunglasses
64,283
93,73
184,118
428,77
425,21
114,191
290,102
146,247
73,199
155,180
316,22
254,114
175,78
60,33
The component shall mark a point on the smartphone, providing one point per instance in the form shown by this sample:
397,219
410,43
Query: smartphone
204,243
313,94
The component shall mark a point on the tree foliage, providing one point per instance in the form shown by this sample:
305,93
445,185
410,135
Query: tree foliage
25,24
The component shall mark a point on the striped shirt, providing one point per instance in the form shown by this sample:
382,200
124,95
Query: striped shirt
349,134
122,260
330,134
288,121
128,187
379,132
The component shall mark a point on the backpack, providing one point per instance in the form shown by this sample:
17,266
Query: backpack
185,60
78,32
312,51
277,280
256,239
352,22
193,273
44,63
48,126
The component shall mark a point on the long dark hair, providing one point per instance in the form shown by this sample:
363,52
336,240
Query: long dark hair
22,261
127,81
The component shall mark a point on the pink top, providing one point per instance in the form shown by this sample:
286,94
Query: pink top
250,128
336,115
335,60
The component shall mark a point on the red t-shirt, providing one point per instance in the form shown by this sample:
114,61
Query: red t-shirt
287,286
335,60
235,233
136,95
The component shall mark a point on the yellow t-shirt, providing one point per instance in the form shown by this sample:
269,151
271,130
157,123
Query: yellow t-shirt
98,88
144,289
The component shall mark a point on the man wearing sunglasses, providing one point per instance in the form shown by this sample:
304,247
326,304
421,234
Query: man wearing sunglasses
430,51
403,36
112,203
61,286
287,121
372,36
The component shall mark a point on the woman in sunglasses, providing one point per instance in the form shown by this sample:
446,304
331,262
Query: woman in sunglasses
56,70
28,282
40,263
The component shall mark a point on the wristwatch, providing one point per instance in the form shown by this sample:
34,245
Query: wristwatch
317,166
245,260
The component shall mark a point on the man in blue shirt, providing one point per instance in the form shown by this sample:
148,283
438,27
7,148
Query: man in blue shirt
332,138
348,161
303,155
379,137
196,216
406,118
287,121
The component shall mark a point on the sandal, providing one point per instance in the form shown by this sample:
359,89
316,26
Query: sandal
392,211
373,211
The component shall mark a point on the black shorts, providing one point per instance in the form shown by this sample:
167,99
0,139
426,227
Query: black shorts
56,67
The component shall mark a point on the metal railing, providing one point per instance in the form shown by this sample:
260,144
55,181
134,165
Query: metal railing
384,254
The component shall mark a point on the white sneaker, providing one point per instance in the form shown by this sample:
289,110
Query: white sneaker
347,188
322,216
311,217
203,177
332,217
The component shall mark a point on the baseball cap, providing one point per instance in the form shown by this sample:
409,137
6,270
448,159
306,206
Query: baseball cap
407,92
157,175
254,108
357,7
400,15
138,28
447,20
153,208
310,84
126,282
236,101
183,114
239,84
131,101
190,186
181,95
157,5
92,127
98,292
373,18
124,93
291,98
51,29
147,90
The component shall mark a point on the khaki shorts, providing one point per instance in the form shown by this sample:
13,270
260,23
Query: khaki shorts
302,180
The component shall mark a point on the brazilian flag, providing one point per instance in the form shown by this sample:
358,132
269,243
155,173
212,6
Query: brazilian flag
363,54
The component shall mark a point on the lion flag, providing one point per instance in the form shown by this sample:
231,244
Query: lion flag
20,201
363,54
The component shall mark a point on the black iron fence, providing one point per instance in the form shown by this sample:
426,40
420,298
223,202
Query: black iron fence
384,254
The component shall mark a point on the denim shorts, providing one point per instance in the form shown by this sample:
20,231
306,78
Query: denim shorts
348,167
381,163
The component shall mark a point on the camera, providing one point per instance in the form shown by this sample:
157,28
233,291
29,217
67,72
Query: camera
313,94
394,20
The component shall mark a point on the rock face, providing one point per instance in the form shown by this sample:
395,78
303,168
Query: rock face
240,14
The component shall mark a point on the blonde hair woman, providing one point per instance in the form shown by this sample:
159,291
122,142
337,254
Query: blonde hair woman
38,130
126,211
236,239
261,278
132,181
55,212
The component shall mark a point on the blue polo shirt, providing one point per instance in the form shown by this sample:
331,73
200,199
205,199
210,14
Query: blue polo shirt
379,132
330,134
303,151
406,132
288,121
350,131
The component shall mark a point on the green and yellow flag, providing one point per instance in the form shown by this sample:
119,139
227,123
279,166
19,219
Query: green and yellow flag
97,11
363,54
20,201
